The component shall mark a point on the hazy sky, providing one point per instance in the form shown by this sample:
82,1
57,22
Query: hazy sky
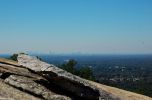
69,26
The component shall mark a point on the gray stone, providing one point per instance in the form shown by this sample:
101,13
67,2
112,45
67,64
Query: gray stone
5,68
9,62
28,85
10,93
67,81
1,74
56,97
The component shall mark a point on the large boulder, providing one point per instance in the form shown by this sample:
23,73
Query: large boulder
30,86
6,70
74,84
10,93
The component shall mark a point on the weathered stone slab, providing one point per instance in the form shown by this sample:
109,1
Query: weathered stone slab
62,78
9,93
4,68
28,85
10,62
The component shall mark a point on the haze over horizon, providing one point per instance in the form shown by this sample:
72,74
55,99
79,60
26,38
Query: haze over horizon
81,26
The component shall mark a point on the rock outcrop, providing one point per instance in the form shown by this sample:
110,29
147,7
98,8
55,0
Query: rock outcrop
33,79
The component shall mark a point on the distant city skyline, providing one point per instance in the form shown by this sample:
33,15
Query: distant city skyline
76,26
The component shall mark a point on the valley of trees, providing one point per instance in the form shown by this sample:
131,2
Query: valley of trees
132,74
84,72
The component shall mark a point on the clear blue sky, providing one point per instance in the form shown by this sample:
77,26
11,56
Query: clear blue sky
68,26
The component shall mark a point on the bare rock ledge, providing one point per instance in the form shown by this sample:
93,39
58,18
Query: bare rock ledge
32,79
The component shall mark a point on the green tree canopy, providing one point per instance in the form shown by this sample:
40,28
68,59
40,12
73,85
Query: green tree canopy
14,56
69,66
84,72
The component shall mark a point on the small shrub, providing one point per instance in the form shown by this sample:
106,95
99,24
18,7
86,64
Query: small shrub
14,56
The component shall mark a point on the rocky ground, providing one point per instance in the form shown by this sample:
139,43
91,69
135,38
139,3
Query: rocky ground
32,79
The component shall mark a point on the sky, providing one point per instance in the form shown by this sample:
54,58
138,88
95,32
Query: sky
76,26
